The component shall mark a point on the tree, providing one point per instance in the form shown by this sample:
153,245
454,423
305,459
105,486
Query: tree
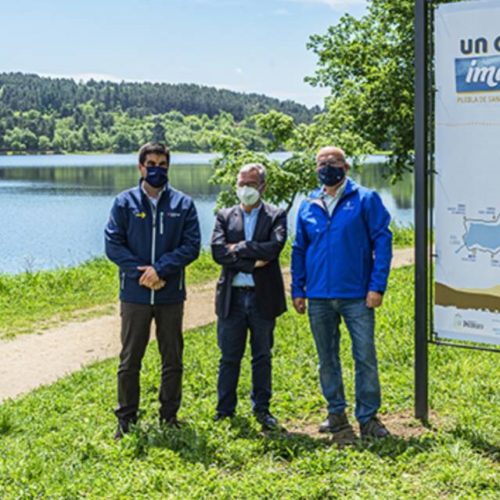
158,131
368,65
285,179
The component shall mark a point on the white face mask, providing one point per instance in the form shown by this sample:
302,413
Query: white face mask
248,195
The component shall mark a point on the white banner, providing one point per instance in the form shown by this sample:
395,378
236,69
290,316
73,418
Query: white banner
467,183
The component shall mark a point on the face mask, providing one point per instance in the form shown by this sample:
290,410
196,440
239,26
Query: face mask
330,176
156,176
248,195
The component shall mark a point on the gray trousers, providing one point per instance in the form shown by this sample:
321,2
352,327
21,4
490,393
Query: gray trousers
135,332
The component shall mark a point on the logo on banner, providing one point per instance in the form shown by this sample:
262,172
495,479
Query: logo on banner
478,74
480,71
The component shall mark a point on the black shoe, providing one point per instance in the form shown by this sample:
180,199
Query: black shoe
268,422
374,428
222,416
123,428
170,422
335,422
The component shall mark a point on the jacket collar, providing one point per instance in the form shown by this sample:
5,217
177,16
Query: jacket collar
145,195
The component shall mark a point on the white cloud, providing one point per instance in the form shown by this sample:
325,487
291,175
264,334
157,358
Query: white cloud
239,71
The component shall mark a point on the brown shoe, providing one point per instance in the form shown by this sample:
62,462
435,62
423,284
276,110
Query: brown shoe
374,428
335,422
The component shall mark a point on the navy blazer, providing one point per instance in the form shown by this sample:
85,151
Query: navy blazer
268,240
166,236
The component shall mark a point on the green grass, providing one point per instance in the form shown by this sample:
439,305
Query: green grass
57,441
33,301
402,236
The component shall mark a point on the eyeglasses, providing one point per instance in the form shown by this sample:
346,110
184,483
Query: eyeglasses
153,164
331,163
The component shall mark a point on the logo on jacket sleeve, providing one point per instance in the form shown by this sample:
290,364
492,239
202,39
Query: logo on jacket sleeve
141,215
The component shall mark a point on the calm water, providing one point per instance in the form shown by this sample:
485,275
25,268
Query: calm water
53,208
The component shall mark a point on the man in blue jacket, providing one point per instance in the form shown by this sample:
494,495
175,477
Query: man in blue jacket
152,234
340,263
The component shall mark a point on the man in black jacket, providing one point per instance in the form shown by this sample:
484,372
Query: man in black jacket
247,241
152,235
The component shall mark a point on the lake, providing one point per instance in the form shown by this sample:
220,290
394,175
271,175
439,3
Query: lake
53,209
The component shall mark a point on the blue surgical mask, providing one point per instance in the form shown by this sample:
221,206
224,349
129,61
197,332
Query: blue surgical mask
156,176
330,176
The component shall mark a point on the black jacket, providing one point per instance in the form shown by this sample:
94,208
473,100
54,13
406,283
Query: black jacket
267,242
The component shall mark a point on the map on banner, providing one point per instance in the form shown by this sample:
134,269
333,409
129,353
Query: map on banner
467,162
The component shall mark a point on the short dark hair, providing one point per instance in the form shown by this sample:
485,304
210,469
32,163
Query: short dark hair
153,148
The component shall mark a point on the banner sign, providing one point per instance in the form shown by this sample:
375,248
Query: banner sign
467,182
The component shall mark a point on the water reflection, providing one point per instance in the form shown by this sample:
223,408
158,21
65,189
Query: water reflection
54,216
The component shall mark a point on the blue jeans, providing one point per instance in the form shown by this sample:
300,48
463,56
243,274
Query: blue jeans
231,337
324,317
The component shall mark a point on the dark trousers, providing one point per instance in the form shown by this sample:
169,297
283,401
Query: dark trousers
231,337
135,332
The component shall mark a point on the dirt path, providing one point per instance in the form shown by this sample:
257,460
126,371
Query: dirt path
29,361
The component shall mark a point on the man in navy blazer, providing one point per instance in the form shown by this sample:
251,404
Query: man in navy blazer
152,234
246,242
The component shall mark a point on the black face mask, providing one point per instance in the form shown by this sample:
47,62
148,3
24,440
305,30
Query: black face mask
156,176
330,175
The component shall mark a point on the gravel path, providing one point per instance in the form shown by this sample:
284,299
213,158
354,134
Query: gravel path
29,361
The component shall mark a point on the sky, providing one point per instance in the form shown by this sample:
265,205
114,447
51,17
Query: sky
243,45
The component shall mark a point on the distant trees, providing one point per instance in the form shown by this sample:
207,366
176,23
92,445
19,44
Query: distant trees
24,92
46,114
90,128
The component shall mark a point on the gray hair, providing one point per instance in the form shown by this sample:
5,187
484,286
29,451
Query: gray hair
251,167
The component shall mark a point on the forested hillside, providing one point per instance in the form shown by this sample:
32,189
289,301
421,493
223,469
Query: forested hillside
56,114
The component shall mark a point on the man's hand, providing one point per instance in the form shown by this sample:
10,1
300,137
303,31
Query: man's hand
261,263
158,285
374,299
300,305
232,246
149,276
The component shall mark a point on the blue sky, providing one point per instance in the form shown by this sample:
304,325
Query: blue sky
243,45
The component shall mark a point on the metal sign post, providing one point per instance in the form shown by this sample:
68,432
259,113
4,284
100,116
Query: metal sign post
421,211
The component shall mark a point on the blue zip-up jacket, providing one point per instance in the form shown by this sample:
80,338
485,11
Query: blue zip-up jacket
344,255
167,237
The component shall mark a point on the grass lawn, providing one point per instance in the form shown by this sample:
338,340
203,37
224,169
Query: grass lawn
34,301
57,441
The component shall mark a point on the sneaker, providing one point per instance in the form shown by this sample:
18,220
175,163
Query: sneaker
268,422
335,422
222,416
170,422
374,428
123,428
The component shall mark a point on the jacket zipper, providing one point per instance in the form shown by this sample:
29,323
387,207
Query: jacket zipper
153,246
180,279
161,222
329,219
